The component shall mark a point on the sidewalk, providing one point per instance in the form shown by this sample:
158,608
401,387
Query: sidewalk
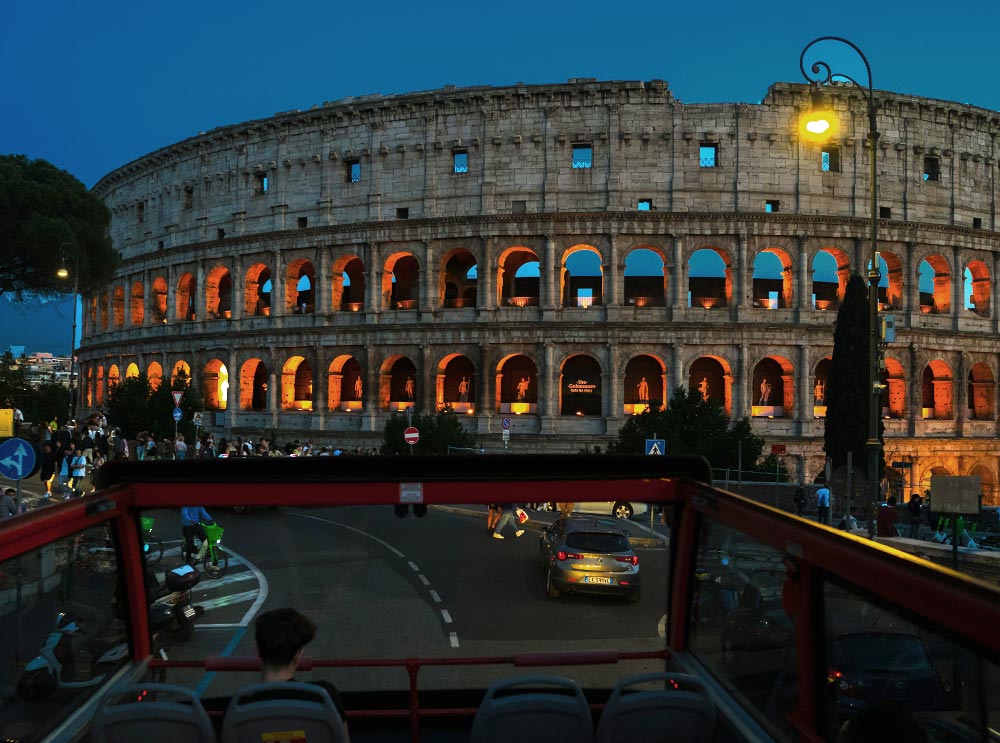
639,533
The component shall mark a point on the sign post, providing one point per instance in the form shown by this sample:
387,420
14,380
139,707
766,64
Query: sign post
17,461
505,424
656,447
411,436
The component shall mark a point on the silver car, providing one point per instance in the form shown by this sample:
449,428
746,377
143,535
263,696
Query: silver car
587,554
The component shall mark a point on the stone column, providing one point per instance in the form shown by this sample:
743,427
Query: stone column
424,378
957,287
200,306
803,301
485,388
911,291
960,394
171,313
612,383
486,272
430,301
322,291
915,392
614,273
372,389
678,282
995,298
373,281
744,271
740,408
233,394
677,366
320,398
551,300
546,391
278,299
803,395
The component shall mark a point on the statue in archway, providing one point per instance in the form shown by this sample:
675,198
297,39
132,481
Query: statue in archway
703,388
819,391
408,388
358,387
522,388
463,390
643,390
765,392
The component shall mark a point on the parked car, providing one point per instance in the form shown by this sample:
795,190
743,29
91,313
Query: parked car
621,509
586,554
873,666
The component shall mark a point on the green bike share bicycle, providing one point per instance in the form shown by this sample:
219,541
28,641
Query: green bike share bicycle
214,559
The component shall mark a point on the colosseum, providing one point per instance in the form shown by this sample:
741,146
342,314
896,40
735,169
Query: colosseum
562,256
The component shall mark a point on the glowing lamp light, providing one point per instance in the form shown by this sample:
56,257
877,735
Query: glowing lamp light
820,123
63,272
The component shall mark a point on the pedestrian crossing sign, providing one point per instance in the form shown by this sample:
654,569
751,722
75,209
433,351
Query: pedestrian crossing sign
656,447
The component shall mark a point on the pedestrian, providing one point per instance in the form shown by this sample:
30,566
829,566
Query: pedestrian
47,470
566,509
151,447
886,518
914,510
8,506
119,445
509,515
77,471
18,420
65,469
823,504
180,448
192,517
493,511
800,501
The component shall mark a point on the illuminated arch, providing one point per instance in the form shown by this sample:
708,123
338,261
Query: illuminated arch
645,277
184,305
831,268
114,377
581,277
458,279
345,384
937,271
978,287
645,384
348,293
297,384
219,293
118,307
132,371
710,278
937,391
180,373
401,282
154,373
253,385
820,380
712,378
215,385
158,300
773,388
517,385
455,384
257,291
300,287
137,305
894,394
773,279
99,391
981,393
399,386
518,278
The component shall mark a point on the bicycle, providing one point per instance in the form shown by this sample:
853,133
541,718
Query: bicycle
213,558
152,547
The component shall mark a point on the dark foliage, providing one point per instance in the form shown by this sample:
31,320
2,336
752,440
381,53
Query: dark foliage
437,433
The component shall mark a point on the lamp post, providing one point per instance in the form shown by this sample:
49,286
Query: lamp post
819,124
63,273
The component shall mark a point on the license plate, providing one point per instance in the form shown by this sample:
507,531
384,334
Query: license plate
189,611
602,581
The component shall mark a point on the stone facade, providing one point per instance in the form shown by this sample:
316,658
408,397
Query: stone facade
540,252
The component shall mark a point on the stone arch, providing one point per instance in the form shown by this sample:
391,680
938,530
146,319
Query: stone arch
154,373
345,384
180,372
114,377
711,376
348,293
300,299
890,285
253,385
158,300
257,291
831,268
981,392
645,277
931,470
937,301
99,393
103,308
773,388
219,293
821,377
645,384
518,277
773,292
92,315
987,483
401,282
517,385
296,384
580,389
936,393
137,305
894,394
118,307
458,281
455,384
709,286
978,288
582,284
215,385
398,388
132,371
186,289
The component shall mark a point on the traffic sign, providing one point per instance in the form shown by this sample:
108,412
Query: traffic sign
178,394
178,415
505,423
779,450
656,447
506,435
17,459
411,435
197,418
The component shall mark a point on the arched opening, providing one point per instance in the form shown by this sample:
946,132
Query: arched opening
100,385
137,305
712,378
517,385
398,384
455,384
400,282
154,373
890,283
219,293
894,394
215,385
89,387
981,393
103,306
581,277
645,278
114,377
159,300
186,288
253,385
118,307
936,391
831,268
459,280
645,384
345,385
773,388
300,278
772,279
987,484
977,288
296,384
518,281
180,373
257,291
349,284
92,315
710,283
820,379
132,371
580,386
935,285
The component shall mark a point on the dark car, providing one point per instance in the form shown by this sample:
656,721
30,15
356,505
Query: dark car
761,626
589,555
870,666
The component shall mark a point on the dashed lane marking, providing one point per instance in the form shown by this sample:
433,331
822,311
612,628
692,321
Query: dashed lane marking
453,636
434,595
446,616
423,579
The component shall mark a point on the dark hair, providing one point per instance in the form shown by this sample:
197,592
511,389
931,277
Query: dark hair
280,634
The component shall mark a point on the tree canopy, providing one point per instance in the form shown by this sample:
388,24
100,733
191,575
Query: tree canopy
133,406
42,209
437,432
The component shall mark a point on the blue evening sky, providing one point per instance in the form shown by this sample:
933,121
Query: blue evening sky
90,86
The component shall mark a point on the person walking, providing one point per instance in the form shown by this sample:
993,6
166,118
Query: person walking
77,471
180,448
192,518
493,511
914,511
823,504
8,504
47,470
800,501
509,514
886,518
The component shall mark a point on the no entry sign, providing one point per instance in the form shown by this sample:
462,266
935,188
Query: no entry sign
411,435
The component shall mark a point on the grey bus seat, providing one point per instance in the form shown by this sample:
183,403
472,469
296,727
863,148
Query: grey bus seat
303,711
533,708
678,711
151,713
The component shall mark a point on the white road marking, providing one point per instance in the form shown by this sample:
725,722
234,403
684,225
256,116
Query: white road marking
434,595
233,598
385,544
453,636
446,616
423,579
414,566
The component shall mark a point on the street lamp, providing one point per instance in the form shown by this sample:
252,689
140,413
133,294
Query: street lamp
819,124
63,273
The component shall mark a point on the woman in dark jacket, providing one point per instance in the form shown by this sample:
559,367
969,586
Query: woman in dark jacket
47,471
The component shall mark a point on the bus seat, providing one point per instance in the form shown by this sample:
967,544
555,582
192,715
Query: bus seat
681,712
151,713
558,714
283,710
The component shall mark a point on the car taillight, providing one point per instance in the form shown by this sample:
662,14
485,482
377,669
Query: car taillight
634,559
562,555
843,685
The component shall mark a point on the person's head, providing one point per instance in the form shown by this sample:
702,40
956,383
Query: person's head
281,634
10,491
892,500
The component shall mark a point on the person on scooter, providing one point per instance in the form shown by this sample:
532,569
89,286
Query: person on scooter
192,517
